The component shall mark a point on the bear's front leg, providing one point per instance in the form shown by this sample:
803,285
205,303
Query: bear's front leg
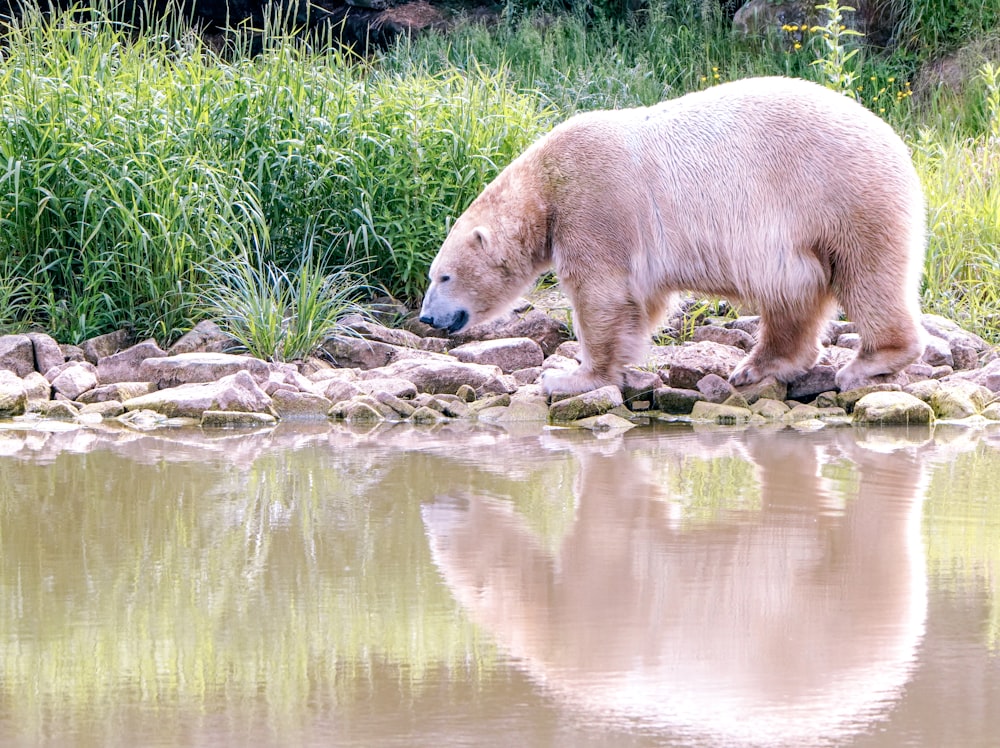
610,332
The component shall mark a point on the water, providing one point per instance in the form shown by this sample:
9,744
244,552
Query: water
460,586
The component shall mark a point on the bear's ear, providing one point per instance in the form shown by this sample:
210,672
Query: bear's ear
481,237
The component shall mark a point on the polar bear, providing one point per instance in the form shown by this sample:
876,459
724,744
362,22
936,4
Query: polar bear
774,191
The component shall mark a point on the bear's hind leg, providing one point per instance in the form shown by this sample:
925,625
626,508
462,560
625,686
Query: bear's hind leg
787,342
891,340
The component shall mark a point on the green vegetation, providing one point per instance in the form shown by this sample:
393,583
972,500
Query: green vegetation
140,169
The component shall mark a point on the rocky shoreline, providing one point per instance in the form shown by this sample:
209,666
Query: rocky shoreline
489,374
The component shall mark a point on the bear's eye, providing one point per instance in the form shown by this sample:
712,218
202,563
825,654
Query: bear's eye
445,278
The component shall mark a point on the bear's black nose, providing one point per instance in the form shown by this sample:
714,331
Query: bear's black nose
427,320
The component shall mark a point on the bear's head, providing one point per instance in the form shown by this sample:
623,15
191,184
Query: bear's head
491,255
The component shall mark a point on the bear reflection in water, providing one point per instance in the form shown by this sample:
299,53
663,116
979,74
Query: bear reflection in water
793,621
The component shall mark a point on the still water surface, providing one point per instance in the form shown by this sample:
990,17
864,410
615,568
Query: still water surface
460,586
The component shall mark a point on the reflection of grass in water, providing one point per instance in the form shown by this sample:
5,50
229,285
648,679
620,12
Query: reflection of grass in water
962,529
707,488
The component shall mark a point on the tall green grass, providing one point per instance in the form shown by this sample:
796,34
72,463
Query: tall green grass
130,162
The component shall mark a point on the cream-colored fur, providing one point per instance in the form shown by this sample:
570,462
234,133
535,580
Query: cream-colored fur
774,191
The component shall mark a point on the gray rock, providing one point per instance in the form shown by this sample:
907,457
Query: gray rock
950,331
522,408
510,354
769,409
892,408
992,411
17,354
964,357
537,325
70,353
988,376
396,386
13,394
747,324
639,388
607,423
847,400
205,337
725,415
820,378
715,388
959,399
426,415
236,392
837,328
122,366
37,387
59,410
726,336
527,376
401,407
234,419
120,391
336,390
74,378
351,352
676,400
937,352
105,345
194,368
289,404
371,330
593,403
356,411
768,387
104,409
47,351
694,361
436,376
849,340
923,389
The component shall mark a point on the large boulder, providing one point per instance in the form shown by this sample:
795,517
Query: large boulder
692,362
205,337
73,378
892,409
191,368
436,376
594,403
13,394
122,366
47,351
17,354
537,325
510,354
235,392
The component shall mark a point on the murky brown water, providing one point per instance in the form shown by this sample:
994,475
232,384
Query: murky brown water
467,587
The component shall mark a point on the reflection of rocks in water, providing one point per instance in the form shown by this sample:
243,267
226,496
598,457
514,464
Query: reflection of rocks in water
793,622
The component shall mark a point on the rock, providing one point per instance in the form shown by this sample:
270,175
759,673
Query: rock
639,388
937,352
396,386
919,370
446,375
770,409
230,419
801,412
13,395
120,391
46,350
70,353
569,349
676,400
105,345
205,337
606,423
923,389
537,325
836,329
356,411
768,387
494,401
726,336
964,357
849,340
959,399
236,392
510,354
747,324
17,354
371,330
289,404
194,368
692,362
400,406
426,415
944,328
891,409
992,411
59,410
351,352
715,388
104,408
37,387
736,400
988,376
122,366
847,400
523,408
74,378
820,378
724,415
593,403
